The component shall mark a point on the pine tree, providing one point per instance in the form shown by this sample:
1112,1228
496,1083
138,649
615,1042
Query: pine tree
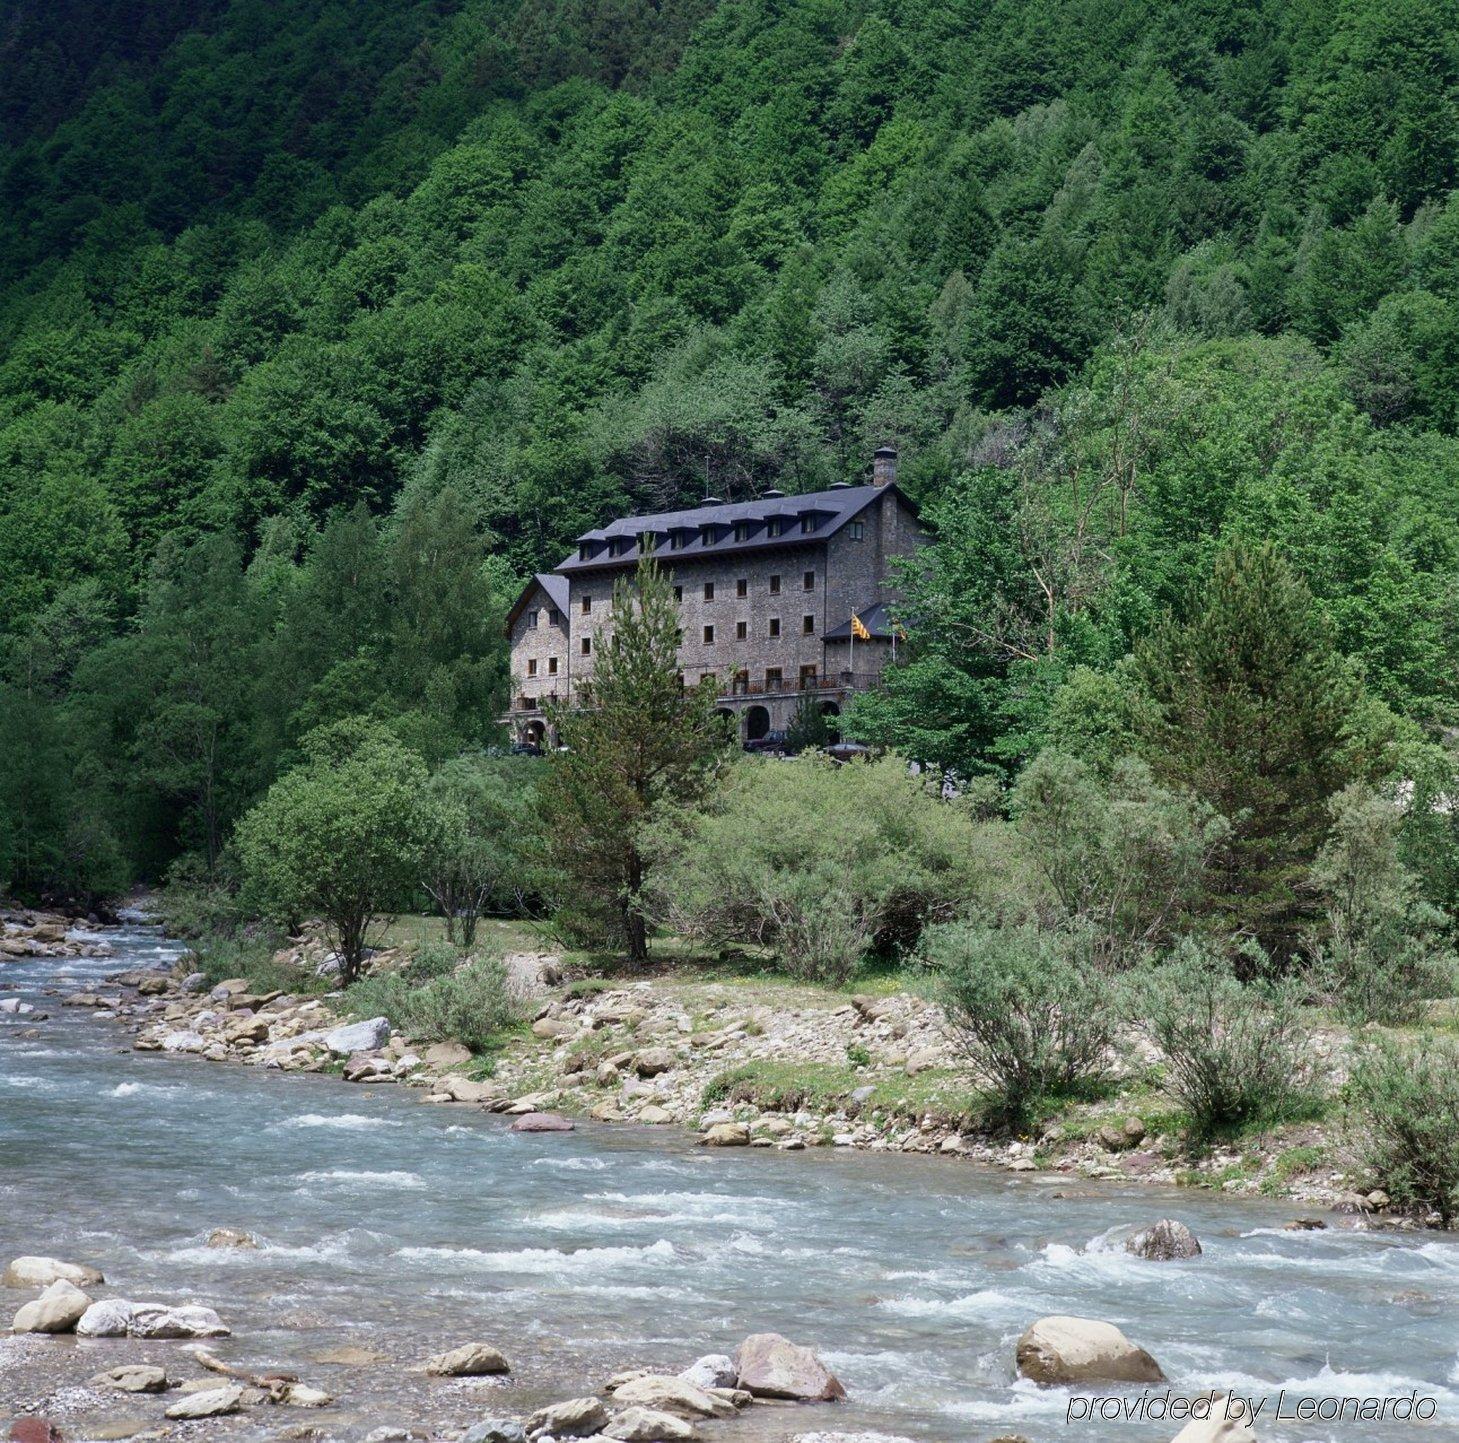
635,741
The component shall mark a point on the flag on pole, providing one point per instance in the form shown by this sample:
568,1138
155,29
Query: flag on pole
858,628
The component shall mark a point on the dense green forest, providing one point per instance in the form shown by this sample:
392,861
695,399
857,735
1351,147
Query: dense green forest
321,326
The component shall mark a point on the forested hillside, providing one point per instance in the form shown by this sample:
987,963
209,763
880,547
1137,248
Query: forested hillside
323,325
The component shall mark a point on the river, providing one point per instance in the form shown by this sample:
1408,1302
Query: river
407,1229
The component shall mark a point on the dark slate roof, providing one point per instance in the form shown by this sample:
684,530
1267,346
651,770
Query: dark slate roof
876,619
554,586
833,508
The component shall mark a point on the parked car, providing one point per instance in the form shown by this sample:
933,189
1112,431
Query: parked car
772,744
526,749
847,751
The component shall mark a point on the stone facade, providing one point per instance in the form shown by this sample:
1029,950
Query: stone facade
766,604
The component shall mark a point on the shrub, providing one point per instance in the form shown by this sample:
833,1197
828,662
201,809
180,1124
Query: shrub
1027,1008
472,1005
1404,1122
1235,1052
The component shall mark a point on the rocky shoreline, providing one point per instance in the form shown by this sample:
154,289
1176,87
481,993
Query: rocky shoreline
740,1071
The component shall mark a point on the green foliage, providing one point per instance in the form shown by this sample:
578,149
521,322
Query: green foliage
1029,1009
635,742
822,862
1380,952
1235,1053
470,1003
341,836
1404,1121
809,730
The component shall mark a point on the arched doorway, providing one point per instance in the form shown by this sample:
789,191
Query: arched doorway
757,723
535,733
831,711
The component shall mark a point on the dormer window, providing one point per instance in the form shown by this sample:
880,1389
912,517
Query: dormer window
808,523
584,551
706,535
646,542
742,530
772,526
676,540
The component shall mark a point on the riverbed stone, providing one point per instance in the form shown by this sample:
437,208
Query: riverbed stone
462,1089
447,1054
133,1378
57,1310
1062,1350
184,1041
667,1393
1218,1427
230,1238
358,1037
713,1370
349,1355
727,1134
1164,1242
37,1272
192,1320
34,1430
302,1395
771,1366
211,1403
495,1430
471,1360
110,1318
543,1122
649,1425
652,1061
573,1418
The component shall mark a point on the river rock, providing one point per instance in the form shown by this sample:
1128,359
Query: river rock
652,1061
1218,1428
770,1366
575,1418
1164,1242
349,1356
57,1310
713,1370
654,1115
358,1037
495,1430
301,1395
184,1042
462,1089
727,1134
211,1403
648,1425
1058,1350
133,1378
665,1393
33,1272
471,1360
447,1054
193,982
156,1320
543,1122
110,1318
230,1238
34,1430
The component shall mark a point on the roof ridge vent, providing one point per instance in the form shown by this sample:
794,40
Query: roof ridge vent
773,494
839,486
712,501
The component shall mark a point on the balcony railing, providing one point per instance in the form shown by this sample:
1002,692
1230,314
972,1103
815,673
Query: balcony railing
832,681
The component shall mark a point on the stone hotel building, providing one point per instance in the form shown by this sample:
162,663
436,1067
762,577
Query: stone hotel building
779,598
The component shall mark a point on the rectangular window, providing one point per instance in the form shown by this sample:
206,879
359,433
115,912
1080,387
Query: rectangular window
774,626
858,530
709,591
676,540
772,527
772,678
742,530
555,617
532,618
807,523
587,645
774,586
809,581
742,630
551,666
587,604
531,666
807,625
742,587
709,636
706,535
807,677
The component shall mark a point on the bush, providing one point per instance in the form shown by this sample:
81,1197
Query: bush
220,957
1235,1052
472,1005
1027,1008
823,863
1404,1122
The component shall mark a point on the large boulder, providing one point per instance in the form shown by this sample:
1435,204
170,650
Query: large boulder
210,1403
770,1366
185,1041
57,1310
576,1418
726,1134
110,1318
230,1238
665,1393
34,1272
157,1320
471,1360
542,1122
358,1037
648,1425
1059,1350
1218,1428
1164,1242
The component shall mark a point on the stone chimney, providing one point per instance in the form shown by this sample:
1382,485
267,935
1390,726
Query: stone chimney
884,466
